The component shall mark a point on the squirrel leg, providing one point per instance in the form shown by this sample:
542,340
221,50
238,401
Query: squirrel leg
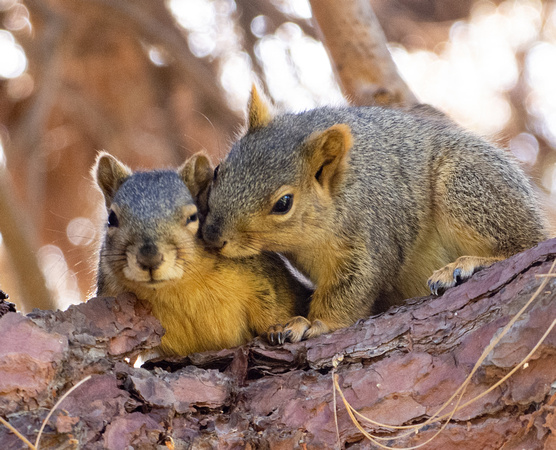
319,327
484,207
459,271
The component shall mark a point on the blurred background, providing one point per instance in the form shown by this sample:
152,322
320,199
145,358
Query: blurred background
154,81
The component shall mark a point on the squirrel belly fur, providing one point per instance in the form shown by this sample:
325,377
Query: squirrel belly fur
150,248
370,204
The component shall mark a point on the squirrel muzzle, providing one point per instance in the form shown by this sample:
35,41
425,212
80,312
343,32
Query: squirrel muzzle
149,257
212,236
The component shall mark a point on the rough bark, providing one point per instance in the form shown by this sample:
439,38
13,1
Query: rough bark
398,368
357,46
5,306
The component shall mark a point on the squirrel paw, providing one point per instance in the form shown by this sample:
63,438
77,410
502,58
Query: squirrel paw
293,331
457,272
297,329
317,328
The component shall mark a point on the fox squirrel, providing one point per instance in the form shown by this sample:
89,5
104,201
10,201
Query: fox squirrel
368,203
150,248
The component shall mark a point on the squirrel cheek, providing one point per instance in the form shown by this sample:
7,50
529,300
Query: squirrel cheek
193,227
241,248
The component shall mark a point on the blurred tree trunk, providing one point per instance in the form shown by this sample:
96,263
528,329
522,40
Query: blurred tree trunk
22,250
95,88
357,47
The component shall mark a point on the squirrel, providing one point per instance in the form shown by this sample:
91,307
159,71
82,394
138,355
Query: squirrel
370,203
150,248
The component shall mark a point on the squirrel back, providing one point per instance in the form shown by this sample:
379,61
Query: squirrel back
151,248
369,202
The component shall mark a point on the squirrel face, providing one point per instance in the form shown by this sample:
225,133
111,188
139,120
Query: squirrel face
249,233
152,222
275,190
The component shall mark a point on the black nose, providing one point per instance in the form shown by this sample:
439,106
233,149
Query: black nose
149,257
212,236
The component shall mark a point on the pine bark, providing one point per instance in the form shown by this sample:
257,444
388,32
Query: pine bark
397,368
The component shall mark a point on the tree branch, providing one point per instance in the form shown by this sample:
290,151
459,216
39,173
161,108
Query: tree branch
357,46
397,368
161,29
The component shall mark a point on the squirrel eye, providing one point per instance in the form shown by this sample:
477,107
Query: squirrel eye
216,169
113,219
191,218
283,205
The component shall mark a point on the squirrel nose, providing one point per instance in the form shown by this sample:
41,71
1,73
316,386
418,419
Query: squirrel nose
148,257
213,237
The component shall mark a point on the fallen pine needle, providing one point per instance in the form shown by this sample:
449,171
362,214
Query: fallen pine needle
62,398
44,422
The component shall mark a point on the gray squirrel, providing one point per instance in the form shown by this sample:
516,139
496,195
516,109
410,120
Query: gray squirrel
150,247
369,203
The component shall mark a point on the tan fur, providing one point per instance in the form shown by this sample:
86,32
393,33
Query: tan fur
206,309
259,111
331,153
196,173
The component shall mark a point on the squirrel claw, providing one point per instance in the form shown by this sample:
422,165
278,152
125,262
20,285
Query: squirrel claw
275,335
457,272
293,331
435,287
297,329
447,277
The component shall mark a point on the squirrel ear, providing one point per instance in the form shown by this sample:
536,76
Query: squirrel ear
260,113
328,155
196,173
109,173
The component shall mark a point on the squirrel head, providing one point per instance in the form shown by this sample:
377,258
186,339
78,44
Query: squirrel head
275,190
152,222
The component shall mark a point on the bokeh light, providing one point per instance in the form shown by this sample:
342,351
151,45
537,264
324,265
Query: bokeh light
494,74
470,77
12,57
525,148
81,231
2,156
60,280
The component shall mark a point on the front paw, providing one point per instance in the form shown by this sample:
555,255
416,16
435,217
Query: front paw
292,331
297,329
317,328
457,272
